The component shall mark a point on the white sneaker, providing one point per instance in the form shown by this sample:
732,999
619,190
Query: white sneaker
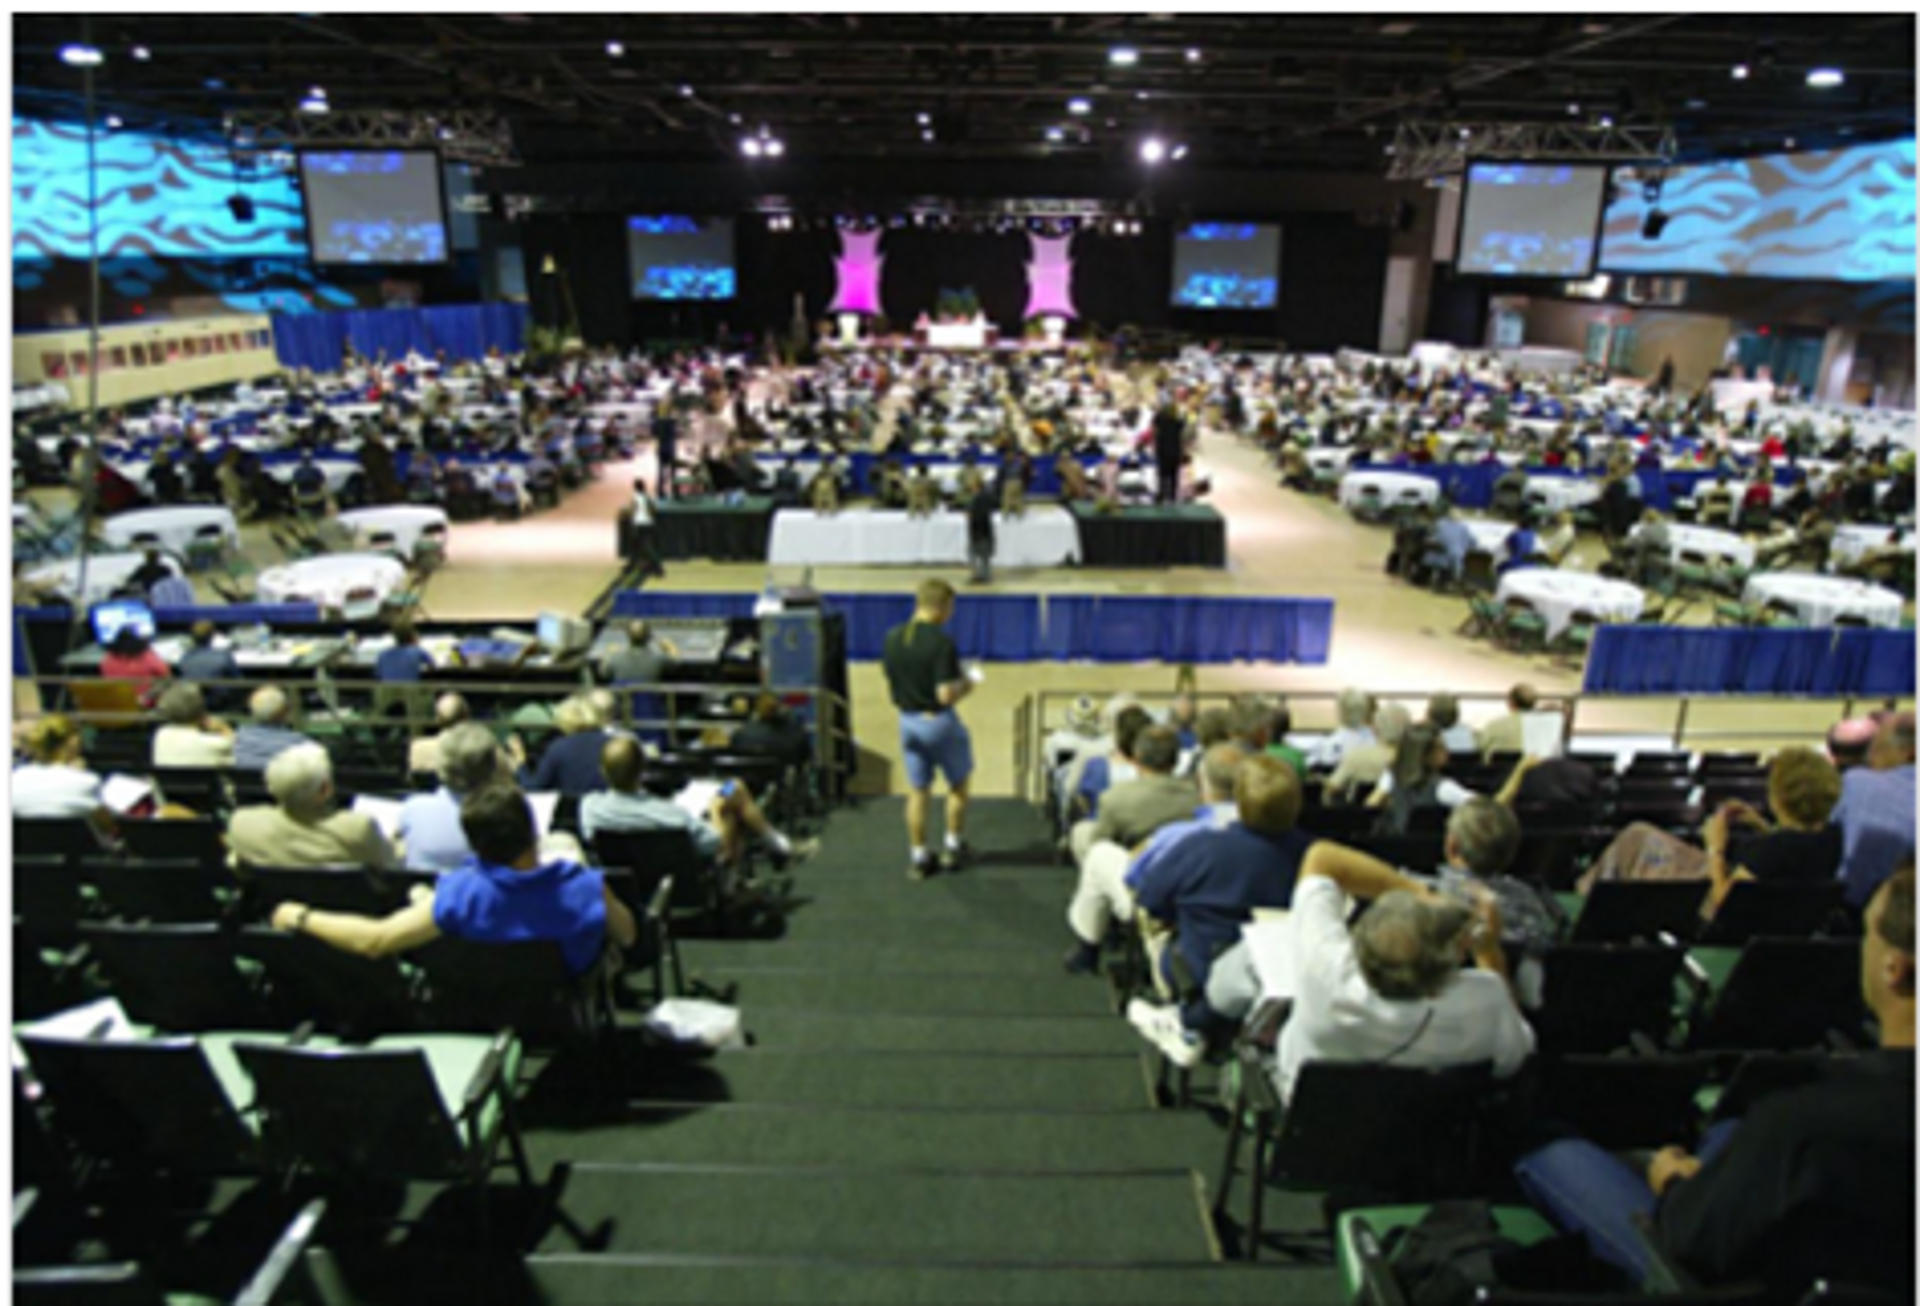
1161,1027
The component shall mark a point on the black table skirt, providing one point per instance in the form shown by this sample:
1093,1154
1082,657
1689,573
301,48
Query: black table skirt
723,534
1146,538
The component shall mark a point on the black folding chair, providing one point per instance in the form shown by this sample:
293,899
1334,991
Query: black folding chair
178,977
669,853
1624,1102
46,837
1621,911
326,888
1762,1073
117,1283
170,891
49,900
198,841
1787,911
523,987
1597,996
342,993
1782,995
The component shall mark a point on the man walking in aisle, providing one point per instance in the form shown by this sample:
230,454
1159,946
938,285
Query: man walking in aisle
925,680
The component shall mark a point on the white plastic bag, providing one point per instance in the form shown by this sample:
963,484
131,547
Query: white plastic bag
696,1020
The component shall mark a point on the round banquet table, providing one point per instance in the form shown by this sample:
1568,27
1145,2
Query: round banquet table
1817,600
1394,487
407,522
1556,595
327,579
1488,536
174,527
1707,541
106,572
1851,543
1561,493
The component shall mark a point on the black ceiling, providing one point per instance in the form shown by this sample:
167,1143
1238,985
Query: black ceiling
1309,91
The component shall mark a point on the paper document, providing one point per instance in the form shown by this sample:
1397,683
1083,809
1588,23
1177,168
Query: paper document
1542,733
103,1020
383,812
696,797
123,793
543,806
1270,947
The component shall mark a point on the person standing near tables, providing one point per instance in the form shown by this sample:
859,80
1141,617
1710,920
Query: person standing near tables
1169,446
980,541
666,430
925,680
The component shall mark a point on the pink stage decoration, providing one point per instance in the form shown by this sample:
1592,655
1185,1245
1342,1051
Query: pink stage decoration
857,271
1050,277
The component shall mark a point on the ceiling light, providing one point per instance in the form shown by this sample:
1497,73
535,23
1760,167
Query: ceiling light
1696,104
924,119
314,104
775,147
1397,27
141,53
81,56
1606,120
1152,150
1123,56
1465,132
1740,72
1056,134
1179,151
751,146
686,91
1825,78
734,118
927,134
113,121
1193,55
316,92
615,49
1079,105
1790,142
1573,109
1139,95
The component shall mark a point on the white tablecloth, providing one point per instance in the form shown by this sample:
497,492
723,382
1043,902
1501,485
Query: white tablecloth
326,580
956,335
106,572
1488,536
1394,487
1324,456
1707,541
1557,595
1044,536
175,526
1850,543
1819,599
1561,493
406,521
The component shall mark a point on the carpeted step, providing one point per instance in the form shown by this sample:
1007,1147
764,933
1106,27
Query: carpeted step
1117,1217
828,1078
922,993
790,1028
724,958
566,1280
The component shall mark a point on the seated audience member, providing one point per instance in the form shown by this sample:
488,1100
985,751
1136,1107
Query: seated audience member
1093,773
204,661
268,734
1443,714
1522,547
152,570
1392,988
772,731
406,662
131,657
1802,789
1213,726
643,661
1279,726
1104,890
423,754
1813,1183
1249,719
571,762
1503,733
305,826
1205,887
1849,742
1416,780
624,806
1482,839
1183,715
505,894
1131,811
1448,544
1875,811
188,736
1355,710
430,832
54,782
1361,767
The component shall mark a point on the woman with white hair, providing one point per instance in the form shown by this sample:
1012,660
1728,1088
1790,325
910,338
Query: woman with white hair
189,736
305,827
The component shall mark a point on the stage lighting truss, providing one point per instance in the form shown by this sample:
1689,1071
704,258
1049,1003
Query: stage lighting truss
1048,216
461,136
1423,150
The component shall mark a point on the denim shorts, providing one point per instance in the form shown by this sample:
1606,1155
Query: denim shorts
935,741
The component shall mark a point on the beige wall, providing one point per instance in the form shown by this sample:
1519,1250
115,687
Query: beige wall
1696,342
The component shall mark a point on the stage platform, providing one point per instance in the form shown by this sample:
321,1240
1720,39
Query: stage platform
912,344
1152,535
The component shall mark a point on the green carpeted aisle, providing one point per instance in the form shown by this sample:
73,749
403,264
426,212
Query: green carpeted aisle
932,1112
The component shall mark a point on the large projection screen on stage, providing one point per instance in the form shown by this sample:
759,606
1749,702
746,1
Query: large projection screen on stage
1226,265
674,256
1531,220
374,206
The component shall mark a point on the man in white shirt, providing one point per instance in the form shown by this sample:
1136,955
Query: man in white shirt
190,737
1392,990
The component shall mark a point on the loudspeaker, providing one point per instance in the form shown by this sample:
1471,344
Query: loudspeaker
1654,223
241,207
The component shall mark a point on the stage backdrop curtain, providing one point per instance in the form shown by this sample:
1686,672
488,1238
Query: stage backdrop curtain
465,331
1685,660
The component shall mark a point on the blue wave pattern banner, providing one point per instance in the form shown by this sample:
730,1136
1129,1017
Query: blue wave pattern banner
159,197
1830,215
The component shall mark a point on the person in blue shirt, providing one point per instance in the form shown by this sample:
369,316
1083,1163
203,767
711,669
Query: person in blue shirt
1520,546
1449,543
406,661
571,763
1876,811
1206,886
503,894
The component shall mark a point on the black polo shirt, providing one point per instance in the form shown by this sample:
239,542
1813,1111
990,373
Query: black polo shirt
919,657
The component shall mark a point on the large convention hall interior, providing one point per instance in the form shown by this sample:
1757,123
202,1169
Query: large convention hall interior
882,657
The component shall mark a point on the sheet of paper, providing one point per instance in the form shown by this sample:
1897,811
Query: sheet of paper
383,812
696,796
123,793
543,805
1270,948
102,1020
1542,734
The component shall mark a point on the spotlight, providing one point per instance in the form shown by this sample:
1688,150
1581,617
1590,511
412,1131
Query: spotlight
924,119
1079,106
615,49
1152,150
81,56
141,54
1193,55
1653,224
751,146
113,122
686,91
241,207
775,147
1056,134
734,118
1740,72
315,104
214,84
1123,56
1606,120
1179,152
927,135
1823,79
1573,109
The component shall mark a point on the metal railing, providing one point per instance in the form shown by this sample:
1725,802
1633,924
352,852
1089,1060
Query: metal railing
1044,711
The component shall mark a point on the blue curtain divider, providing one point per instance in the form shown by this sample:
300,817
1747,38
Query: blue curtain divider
1470,485
465,331
1064,628
1686,660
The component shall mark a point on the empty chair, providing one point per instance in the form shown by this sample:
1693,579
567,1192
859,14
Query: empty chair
1621,911
1596,996
1624,1102
1783,995
526,987
197,841
671,853
353,997
177,977
161,891
53,837
1789,910
49,900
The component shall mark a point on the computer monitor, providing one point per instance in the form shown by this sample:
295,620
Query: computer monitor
559,633
109,619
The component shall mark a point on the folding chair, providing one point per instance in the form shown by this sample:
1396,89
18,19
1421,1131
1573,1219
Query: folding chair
326,888
1596,997
1521,626
50,900
158,891
525,987
1788,911
207,549
177,977
199,841
361,603
1782,995
668,853
1622,911
353,997
1624,1102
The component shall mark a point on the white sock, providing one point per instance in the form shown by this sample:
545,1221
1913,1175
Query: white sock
923,855
779,843
953,842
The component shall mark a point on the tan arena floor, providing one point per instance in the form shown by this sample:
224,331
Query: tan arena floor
1388,636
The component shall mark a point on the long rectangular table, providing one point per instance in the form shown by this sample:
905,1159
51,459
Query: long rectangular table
1160,535
707,528
1043,536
